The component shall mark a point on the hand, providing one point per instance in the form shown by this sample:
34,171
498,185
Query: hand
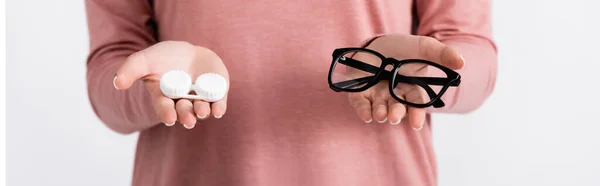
376,103
149,64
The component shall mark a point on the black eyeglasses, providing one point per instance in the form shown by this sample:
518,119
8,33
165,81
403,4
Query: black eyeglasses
414,82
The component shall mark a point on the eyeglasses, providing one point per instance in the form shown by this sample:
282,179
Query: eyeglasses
413,82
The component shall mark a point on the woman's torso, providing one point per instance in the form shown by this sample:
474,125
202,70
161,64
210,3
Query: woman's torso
283,124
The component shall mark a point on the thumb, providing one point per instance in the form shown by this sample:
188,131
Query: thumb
135,67
436,51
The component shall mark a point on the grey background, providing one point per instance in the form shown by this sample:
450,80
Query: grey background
540,127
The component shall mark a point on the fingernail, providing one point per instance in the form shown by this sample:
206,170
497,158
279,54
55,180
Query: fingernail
169,124
186,126
219,116
384,120
114,82
395,123
369,121
418,129
201,117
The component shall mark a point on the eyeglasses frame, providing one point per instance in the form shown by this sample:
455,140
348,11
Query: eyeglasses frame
452,77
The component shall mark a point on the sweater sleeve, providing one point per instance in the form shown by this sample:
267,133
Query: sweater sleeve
464,25
117,29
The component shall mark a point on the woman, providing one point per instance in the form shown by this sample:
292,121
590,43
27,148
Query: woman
280,124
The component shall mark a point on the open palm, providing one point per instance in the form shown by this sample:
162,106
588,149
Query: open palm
376,103
148,66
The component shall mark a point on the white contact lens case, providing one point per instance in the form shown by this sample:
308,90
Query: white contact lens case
177,84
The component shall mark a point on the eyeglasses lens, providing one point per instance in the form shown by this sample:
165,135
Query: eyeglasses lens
349,71
413,82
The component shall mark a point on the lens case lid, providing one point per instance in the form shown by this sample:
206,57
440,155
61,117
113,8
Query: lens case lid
177,84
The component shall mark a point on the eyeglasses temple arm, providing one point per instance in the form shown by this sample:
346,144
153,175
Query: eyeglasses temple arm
353,82
421,81
359,81
373,69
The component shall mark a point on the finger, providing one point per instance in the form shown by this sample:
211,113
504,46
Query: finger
163,106
416,117
362,105
438,52
185,113
396,112
202,109
219,108
380,108
134,68
413,94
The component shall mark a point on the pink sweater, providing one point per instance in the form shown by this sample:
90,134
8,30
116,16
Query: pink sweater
276,132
